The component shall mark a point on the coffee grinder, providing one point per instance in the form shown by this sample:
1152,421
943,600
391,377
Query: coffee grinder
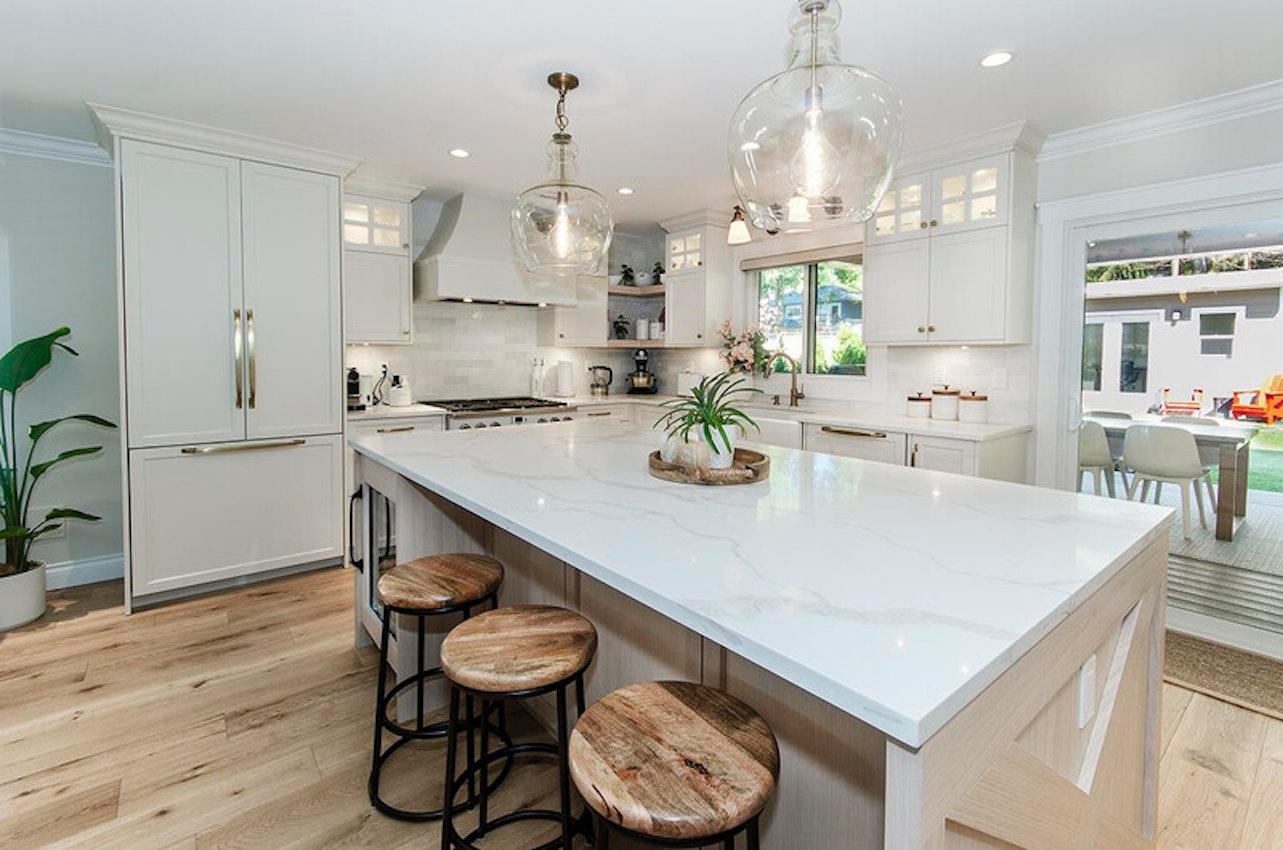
641,381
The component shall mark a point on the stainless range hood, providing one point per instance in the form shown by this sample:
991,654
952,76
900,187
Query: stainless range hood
470,257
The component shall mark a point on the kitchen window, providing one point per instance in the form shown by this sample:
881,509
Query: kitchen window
1216,333
814,312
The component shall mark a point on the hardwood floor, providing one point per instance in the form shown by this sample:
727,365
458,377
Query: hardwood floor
244,720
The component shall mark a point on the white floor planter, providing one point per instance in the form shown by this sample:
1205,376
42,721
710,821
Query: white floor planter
22,598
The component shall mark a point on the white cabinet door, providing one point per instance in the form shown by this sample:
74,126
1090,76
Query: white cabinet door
180,219
376,298
684,308
943,455
599,412
216,512
968,289
851,441
896,305
585,324
775,432
292,301
903,212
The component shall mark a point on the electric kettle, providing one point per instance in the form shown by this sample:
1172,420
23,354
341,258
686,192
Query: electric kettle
600,385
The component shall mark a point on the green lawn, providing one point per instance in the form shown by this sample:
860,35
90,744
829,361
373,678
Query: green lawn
1265,467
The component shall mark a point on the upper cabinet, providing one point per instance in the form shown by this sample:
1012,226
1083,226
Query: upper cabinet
697,279
377,272
583,325
948,255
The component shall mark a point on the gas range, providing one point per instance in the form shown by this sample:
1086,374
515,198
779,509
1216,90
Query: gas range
469,413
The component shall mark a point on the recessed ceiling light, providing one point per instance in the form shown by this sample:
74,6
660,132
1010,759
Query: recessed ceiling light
625,190
997,59
459,153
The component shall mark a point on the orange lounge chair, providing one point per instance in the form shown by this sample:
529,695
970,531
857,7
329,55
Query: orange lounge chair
1265,404
1193,407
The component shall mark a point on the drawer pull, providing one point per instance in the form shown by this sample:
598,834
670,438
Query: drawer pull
602,413
242,447
853,432
395,430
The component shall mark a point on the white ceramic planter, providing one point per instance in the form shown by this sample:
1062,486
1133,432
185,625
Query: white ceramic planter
22,598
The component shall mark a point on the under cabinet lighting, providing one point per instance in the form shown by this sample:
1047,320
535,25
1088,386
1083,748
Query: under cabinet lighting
997,59
459,153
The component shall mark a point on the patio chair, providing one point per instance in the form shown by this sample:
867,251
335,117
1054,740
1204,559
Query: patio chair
1109,414
1095,457
1193,407
1265,404
1167,454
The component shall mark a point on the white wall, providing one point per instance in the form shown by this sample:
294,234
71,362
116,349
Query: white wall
58,267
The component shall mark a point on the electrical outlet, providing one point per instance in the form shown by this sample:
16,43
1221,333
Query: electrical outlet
1086,692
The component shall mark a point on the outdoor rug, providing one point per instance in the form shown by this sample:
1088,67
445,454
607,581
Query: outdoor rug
1231,675
1257,544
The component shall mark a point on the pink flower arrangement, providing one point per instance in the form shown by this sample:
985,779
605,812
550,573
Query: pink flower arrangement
745,352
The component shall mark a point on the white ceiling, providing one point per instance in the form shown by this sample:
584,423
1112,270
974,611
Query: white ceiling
399,82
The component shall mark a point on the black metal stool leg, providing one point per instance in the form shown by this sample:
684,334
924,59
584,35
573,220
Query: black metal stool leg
418,720
753,840
728,843
563,768
472,755
379,709
447,805
601,830
484,801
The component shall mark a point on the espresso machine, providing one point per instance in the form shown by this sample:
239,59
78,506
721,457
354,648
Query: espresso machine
642,380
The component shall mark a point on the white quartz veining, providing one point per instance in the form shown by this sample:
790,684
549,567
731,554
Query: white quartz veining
895,594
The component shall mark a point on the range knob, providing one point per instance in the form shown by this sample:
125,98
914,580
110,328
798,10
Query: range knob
464,427
495,424
567,419
542,420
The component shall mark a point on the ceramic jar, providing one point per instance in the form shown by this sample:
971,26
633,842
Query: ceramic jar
944,403
973,407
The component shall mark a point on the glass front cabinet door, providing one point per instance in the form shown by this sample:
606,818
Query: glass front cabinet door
685,250
903,213
970,195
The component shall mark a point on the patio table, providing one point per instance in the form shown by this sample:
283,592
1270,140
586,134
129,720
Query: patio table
1225,445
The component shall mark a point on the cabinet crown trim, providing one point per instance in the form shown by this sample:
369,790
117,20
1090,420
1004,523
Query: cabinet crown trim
699,218
22,143
112,122
381,188
1020,136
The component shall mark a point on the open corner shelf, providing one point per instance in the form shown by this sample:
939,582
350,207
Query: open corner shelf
637,291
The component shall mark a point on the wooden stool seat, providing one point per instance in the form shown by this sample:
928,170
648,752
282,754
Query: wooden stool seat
518,648
674,761
440,581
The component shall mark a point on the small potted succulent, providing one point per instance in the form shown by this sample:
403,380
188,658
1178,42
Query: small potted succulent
22,580
711,415
627,277
621,326
657,273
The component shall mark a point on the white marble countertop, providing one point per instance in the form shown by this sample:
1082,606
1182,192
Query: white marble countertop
835,414
386,411
895,594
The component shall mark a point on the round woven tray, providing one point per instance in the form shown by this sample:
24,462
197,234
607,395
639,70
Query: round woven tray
749,467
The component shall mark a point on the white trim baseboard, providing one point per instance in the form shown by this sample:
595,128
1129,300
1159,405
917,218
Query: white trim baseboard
1231,106
22,143
1224,632
84,571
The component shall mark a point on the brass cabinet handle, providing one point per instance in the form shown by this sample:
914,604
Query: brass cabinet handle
242,447
853,432
913,456
253,359
931,328
921,329
395,430
602,413
934,222
237,346
922,225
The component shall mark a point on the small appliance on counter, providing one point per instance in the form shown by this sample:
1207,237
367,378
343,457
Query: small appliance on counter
600,382
973,408
355,398
944,402
642,380
919,406
564,373
399,394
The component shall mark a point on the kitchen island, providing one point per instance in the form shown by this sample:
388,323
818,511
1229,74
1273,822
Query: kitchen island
947,661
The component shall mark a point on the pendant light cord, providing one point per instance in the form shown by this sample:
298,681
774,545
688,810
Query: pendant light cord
815,45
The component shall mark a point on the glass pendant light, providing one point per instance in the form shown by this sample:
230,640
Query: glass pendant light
817,143
559,226
738,233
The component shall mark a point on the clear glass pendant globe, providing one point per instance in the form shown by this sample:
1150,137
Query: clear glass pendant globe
559,226
814,147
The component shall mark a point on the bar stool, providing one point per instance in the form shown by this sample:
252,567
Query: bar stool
674,763
514,653
426,587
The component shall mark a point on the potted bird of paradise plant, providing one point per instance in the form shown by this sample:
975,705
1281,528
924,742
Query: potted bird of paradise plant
22,580
710,413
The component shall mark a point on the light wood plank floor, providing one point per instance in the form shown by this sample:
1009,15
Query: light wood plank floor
244,720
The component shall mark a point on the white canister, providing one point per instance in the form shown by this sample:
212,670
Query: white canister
656,330
642,329
973,407
944,403
919,406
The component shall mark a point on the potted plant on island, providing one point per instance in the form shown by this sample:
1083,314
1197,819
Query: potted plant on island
709,413
22,580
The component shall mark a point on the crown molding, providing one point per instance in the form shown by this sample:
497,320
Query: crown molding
1207,112
111,122
1020,136
378,187
22,143
699,218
